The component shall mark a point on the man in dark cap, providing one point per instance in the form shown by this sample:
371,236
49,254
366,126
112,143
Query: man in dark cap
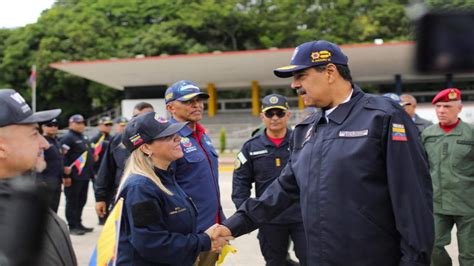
52,176
102,139
357,168
120,122
260,161
197,171
113,164
21,149
409,104
79,163
450,148
100,142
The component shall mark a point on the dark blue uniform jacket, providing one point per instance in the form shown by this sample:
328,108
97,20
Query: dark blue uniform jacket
261,162
363,183
54,162
197,174
76,143
157,228
111,169
105,144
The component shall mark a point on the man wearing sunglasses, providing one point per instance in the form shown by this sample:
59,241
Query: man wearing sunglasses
100,142
260,161
52,176
357,168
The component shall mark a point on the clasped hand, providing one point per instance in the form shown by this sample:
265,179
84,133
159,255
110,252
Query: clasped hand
220,236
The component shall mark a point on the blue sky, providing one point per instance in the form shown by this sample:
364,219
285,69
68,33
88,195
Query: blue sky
17,13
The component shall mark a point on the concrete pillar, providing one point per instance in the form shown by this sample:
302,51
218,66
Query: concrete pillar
255,98
212,101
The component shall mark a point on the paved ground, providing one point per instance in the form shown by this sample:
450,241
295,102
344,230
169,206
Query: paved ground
247,246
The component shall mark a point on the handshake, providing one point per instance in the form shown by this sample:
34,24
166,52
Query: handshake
220,236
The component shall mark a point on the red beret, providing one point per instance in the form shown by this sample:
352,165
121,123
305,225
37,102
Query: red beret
447,95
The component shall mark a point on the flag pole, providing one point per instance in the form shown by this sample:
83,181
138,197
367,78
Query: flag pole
33,88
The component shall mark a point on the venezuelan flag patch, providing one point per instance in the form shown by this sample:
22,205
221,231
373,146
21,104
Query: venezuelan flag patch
398,132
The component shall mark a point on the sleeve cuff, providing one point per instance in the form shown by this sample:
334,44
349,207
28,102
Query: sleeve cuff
205,241
238,224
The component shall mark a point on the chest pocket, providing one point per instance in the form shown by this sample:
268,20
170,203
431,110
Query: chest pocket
179,218
462,158
264,167
193,154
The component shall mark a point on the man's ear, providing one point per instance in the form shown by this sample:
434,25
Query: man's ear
331,71
170,107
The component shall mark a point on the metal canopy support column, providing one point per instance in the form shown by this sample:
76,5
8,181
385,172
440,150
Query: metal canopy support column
255,98
212,101
398,84
449,80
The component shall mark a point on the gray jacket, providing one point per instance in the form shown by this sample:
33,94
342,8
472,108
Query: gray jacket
421,123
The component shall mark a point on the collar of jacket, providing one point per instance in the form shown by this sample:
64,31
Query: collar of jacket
342,111
457,131
185,131
268,142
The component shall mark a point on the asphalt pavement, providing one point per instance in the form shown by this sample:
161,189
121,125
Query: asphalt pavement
248,250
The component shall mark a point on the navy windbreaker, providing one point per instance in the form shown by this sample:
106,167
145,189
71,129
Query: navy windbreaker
363,183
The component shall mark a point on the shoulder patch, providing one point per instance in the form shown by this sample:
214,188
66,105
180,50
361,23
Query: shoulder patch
241,158
145,213
398,132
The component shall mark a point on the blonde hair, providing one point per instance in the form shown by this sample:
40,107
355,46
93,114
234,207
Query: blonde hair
139,163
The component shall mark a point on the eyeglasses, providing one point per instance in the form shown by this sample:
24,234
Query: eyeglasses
270,113
108,125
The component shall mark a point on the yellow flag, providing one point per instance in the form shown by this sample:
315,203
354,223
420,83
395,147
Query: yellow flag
105,252
225,250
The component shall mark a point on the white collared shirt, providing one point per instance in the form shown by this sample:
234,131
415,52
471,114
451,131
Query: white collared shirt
328,111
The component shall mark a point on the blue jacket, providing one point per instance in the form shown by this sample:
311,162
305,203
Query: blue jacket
74,144
197,174
53,157
363,183
105,144
111,169
157,228
261,162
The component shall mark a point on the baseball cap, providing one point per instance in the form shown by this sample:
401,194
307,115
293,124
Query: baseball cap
77,118
309,54
394,97
274,101
121,120
447,95
183,90
52,122
147,127
105,120
15,111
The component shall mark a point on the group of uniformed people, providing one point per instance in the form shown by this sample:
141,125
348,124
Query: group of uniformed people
352,184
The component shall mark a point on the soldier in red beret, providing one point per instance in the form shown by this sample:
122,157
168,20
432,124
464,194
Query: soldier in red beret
450,148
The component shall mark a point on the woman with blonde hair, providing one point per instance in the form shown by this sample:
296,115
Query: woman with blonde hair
158,225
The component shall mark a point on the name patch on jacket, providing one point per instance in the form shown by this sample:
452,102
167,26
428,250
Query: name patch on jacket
253,153
353,134
177,210
398,132
187,145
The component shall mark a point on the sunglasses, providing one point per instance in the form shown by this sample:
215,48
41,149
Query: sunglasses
279,113
51,125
